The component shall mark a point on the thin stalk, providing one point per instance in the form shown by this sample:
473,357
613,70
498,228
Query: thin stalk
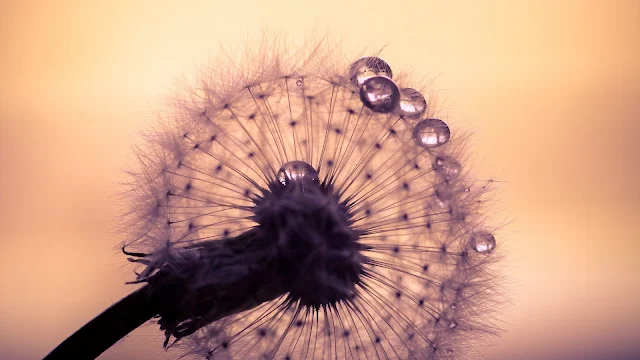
107,328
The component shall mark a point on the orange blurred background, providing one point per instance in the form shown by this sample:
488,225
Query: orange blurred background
551,90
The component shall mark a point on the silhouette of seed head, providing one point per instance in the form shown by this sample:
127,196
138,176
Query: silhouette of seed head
313,209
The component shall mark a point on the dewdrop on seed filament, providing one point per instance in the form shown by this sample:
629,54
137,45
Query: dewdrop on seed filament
412,104
297,172
302,208
430,133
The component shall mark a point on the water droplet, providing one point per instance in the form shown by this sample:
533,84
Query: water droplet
380,94
297,172
430,133
299,82
367,67
483,242
453,324
444,194
447,167
453,306
412,104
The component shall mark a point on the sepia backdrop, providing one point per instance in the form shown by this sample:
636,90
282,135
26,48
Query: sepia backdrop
550,90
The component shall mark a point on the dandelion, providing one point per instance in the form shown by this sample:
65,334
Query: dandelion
301,208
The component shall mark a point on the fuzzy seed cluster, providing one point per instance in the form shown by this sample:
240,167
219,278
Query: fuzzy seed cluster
395,174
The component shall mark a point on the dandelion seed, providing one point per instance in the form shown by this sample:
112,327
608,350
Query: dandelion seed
284,215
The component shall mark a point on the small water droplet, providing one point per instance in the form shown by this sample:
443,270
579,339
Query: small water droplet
430,133
447,167
412,104
453,306
299,82
367,67
483,242
297,172
444,194
453,324
380,94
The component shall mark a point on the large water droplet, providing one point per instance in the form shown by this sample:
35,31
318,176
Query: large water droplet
447,167
380,94
483,242
367,67
297,173
412,104
430,133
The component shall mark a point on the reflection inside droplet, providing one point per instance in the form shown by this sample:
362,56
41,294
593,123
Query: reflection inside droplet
483,242
412,104
447,167
380,94
430,133
297,172
367,67
444,194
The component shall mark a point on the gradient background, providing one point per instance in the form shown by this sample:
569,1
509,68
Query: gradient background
551,89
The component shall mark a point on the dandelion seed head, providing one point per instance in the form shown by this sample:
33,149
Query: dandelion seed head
297,206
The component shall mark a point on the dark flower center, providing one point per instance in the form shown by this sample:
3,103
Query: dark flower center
315,249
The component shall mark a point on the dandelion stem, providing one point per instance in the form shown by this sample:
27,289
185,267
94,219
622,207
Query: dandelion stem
107,328
182,305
